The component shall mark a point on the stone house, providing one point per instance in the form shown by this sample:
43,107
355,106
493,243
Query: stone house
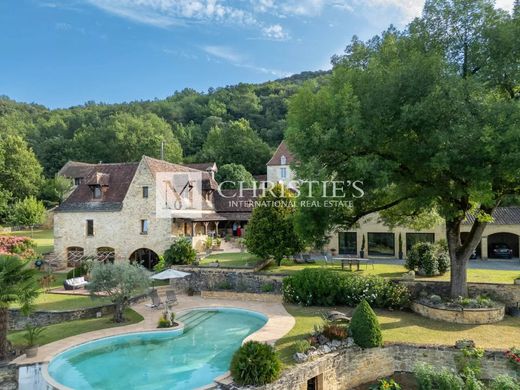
114,211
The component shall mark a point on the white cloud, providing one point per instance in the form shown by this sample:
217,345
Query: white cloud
164,13
224,53
505,4
239,60
276,32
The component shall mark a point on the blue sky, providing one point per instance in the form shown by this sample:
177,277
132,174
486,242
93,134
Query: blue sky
65,52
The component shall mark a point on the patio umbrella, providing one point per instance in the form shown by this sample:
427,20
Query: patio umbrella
168,274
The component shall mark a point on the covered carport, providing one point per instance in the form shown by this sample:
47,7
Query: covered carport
500,239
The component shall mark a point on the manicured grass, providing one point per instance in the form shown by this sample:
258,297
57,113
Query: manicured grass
235,259
49,301
72,328
44,239
396,271
398,326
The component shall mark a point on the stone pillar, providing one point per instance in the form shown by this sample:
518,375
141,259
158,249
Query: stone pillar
216,228
206,228
484,248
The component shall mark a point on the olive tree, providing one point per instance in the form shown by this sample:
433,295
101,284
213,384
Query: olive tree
119,281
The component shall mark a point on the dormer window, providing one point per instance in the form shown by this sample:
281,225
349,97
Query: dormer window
283,160
96,192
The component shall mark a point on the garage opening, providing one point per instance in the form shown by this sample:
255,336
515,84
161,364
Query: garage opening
502,246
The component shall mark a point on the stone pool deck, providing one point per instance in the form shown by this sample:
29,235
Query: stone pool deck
279,323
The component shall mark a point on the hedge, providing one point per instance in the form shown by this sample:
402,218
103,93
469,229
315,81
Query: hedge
323,287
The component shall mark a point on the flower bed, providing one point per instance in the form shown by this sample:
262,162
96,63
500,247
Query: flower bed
20,246
460,314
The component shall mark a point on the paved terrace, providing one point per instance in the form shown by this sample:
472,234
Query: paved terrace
279,323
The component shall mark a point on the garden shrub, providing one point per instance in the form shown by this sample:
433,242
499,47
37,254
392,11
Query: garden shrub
20,246
335,331
302,346
365,328
80,270
180,252
504,382
428,259
386,384
430,378
322,287
255,364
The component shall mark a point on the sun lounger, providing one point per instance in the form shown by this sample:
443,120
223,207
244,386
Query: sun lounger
74,283
171,297
156,300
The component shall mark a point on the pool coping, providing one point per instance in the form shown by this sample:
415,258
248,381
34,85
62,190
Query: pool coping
279,322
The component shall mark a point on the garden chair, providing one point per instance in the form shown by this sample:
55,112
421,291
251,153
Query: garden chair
156,300
171,297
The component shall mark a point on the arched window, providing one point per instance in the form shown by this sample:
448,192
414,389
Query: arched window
283,160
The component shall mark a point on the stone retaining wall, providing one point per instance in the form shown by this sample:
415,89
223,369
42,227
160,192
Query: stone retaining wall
465,316
237,296
8,376
18,321
211,279
354,366
509,294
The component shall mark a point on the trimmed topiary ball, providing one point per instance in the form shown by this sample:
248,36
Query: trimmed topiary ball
255,364
365,327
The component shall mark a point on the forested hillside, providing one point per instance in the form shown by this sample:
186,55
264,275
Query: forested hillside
239,124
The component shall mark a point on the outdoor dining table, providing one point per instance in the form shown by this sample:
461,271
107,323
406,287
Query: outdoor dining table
351,261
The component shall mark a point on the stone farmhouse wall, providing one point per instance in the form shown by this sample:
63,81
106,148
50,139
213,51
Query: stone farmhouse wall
352,367
118,230
232,279
8,376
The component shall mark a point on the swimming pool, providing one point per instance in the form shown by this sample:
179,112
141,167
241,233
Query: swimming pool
160,359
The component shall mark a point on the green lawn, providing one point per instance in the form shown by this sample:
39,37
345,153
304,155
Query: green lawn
235,259
396,271
44,239
49,301
398,326
72,328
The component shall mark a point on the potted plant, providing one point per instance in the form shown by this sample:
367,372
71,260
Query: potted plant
217,243
400,246
208,245
333,252
31,335
362,251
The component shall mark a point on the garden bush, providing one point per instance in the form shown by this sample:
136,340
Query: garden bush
504,382
365,328
22,247
335,331
302,346
428,259
322,287
180,252
430,378
255,364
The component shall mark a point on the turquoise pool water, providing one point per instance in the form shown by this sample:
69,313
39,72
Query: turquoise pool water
159,360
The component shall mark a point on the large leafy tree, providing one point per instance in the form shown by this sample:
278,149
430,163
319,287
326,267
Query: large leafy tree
428,118
236,142
126,137
28,212
234,173
270,233
18,284
119,282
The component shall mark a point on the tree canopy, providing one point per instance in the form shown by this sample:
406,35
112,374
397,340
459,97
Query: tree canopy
428,118
234,173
